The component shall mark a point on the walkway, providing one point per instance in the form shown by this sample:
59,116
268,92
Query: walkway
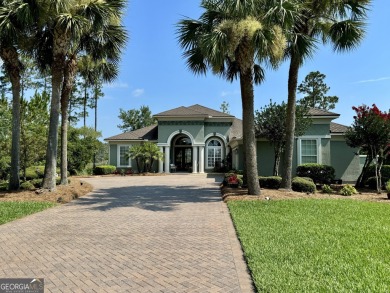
132,234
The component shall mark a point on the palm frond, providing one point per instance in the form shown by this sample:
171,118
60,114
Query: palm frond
346,35
196,61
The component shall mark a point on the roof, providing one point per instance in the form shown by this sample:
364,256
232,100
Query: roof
337,128
236,129
319,112
194,111
146,133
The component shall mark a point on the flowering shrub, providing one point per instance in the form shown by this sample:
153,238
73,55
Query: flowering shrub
348,190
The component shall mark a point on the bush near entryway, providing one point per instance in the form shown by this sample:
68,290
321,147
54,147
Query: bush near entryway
300,184
271,182
321,174
104,170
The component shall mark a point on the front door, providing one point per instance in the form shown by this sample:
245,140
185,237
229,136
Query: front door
183,158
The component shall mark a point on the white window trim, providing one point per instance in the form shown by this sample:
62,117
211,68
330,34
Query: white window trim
119,156
299,148
207,150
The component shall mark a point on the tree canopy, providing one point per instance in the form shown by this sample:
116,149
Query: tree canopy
271,124
134,119
370,132
314,88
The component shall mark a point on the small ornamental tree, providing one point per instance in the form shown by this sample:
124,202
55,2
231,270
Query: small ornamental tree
145,155
271,124
370,132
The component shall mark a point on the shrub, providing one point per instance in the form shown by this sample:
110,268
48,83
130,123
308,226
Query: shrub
271,182
34,172
371,182
385,171
232,178
3,185
104,169
307,178
327,189
388,186
27,185
37,183
348,190
302,185
321,174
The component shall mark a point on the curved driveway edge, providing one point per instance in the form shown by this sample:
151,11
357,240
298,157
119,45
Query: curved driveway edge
131,234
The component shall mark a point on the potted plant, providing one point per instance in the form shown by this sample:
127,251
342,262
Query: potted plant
233,180
388,189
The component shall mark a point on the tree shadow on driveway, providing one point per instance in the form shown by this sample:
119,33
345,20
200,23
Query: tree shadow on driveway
155,198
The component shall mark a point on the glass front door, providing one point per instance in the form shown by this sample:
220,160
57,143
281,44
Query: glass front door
183,158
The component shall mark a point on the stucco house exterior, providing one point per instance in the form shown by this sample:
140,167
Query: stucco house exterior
196,139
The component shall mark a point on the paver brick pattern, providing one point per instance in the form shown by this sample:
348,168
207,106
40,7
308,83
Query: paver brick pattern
131,234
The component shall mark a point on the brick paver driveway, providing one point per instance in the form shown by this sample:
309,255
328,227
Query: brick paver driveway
132,234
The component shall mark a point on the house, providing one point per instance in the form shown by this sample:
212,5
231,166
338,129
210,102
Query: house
197,139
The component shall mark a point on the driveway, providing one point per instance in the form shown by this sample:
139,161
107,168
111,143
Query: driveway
131,234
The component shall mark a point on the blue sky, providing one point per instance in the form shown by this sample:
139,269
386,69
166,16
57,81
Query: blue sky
153,72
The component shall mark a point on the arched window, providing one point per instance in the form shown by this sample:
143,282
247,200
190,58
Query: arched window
214,153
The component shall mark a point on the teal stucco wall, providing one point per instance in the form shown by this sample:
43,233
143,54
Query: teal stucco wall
113,154
166,128
345,162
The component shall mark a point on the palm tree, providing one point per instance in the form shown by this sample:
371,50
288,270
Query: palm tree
232,38
340,22
94,72
16,19
66,25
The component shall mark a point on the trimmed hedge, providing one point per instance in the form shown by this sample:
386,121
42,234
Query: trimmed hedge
385,171
27,185
321,174
300,184
371,182
271,182
104,169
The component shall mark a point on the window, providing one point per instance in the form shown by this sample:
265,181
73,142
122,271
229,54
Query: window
214,153
123,161
309,151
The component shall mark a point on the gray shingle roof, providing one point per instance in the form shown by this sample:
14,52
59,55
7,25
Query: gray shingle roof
146,133
337,128
194,111
320,112
236,129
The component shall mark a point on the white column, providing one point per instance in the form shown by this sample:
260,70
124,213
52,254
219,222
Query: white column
201,159
167,162
160,162
194,159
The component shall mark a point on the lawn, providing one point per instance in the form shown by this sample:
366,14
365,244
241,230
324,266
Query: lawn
10,210
312,245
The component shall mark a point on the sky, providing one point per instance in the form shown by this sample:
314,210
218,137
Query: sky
153,72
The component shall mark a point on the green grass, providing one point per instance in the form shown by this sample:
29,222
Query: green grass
315,245
10,211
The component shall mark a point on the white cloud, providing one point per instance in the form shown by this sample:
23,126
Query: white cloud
138,92
116,85
374,80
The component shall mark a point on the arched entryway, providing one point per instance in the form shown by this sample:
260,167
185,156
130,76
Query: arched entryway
182,153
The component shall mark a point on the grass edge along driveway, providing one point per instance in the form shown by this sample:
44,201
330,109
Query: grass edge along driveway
315,245
12,210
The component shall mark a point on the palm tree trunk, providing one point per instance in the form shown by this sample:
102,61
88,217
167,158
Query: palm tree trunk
69,76
248,125
290,123
57,71
11,60
96,102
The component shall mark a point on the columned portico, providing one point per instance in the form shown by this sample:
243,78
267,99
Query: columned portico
194,159
201,159
167,159
161,163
